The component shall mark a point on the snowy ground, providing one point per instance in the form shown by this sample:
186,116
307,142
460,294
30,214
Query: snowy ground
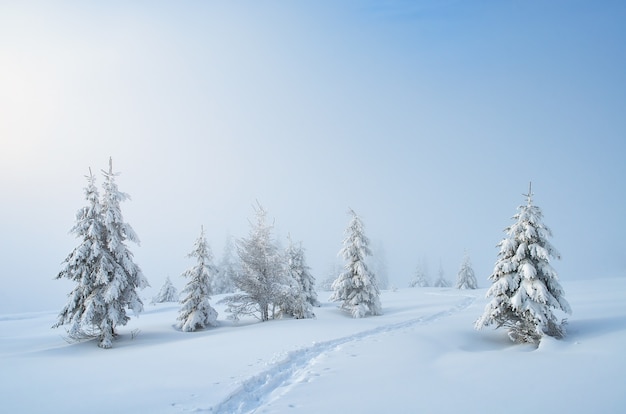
422,355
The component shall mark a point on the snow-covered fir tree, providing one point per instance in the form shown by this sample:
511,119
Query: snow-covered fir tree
196,312
420,278
224,280
105,269
167,293
356,286
261,281
525,288
441,280
302,295
466,279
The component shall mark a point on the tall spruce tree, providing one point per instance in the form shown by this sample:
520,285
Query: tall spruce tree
356,286
525,288
196,311
103,266
466,279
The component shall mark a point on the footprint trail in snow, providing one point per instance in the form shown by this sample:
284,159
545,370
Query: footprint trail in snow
274,382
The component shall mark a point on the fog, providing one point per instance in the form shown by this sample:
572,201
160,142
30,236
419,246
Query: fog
428,118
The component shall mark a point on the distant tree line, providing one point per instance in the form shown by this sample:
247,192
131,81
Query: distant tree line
465,278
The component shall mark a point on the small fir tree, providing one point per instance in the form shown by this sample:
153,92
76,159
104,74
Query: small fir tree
420,279
301,295
196,311
168,293
441,281
356,286
525,287
466,278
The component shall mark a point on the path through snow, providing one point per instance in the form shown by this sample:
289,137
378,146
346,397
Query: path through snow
274,382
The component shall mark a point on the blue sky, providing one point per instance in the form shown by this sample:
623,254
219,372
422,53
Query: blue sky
427,118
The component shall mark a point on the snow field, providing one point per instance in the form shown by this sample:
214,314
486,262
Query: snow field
421,355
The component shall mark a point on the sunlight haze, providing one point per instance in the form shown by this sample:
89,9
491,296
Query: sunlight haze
428,118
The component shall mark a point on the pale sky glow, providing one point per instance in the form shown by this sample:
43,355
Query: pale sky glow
427,118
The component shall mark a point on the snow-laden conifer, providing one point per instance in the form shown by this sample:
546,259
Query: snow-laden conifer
356,286
103,266
167,293
420,278
196,311
441,280
466,279
261,281
301,295
525,288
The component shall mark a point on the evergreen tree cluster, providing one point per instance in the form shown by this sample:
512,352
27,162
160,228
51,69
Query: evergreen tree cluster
465,278
267,282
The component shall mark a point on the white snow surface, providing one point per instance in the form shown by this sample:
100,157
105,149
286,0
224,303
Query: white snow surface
421,355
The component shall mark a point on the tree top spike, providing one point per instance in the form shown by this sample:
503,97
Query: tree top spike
529,196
